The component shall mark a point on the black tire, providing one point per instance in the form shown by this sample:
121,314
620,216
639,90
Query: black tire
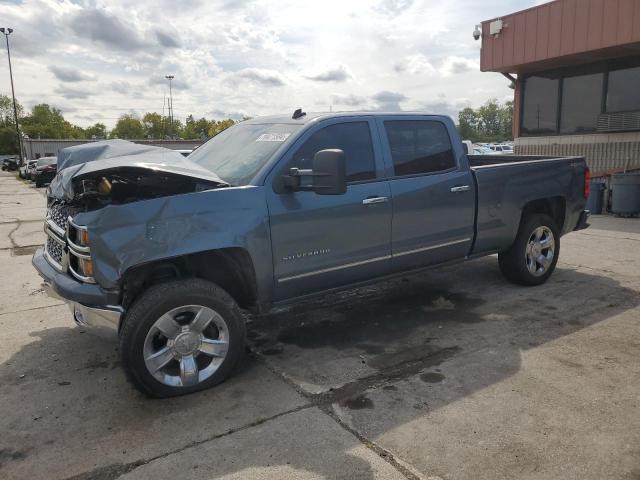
38,183
157,301
513,262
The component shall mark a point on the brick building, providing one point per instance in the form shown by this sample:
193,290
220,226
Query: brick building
576,69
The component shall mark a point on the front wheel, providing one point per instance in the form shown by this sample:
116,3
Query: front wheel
181,337
533,256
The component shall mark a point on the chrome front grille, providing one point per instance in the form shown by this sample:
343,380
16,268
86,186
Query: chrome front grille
55,251
59,213
60,251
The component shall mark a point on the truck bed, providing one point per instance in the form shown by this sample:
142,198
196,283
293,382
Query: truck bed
495,160
505,184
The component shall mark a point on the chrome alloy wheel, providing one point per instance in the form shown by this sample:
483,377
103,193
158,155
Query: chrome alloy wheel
186,345
540,250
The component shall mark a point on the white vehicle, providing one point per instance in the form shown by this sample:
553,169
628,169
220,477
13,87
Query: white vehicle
468,147
482,150
502,149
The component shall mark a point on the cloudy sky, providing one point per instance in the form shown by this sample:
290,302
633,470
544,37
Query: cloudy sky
96,60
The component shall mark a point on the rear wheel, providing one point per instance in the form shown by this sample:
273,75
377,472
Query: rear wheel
533,256
181,337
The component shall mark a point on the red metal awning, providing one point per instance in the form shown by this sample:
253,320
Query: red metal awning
561,33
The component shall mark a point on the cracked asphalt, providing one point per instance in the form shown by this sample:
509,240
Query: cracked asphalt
450,374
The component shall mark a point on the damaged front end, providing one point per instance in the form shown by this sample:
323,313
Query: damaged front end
93,176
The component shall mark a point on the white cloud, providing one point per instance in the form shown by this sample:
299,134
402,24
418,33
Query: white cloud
261,76
250,58
457,65
339,73
70,74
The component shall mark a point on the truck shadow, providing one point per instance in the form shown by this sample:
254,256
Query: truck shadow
73,397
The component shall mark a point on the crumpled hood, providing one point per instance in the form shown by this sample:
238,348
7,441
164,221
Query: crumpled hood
90,158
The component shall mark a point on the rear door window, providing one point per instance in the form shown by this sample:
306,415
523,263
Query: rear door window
353,138
419,146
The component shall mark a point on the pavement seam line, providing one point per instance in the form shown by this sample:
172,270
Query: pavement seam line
325,400
128,467
31,309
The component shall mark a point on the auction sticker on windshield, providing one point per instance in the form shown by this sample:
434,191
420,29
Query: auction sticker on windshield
273,137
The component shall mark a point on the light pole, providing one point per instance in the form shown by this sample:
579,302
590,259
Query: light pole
7,31
170,77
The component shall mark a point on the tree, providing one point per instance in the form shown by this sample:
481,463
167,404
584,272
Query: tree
48,122
98,130
468,124
128,126
8,137
195,129
6,111
490,123
218,126
155,125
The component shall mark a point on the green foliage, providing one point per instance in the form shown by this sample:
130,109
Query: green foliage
217,127
99,130
490,123
8,141
45,121
6,111
195,129
129,127
8,137
48,122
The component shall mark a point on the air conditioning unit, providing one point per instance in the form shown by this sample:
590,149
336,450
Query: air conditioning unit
495,27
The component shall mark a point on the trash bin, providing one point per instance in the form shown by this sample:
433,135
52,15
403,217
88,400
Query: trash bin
594,202
625,193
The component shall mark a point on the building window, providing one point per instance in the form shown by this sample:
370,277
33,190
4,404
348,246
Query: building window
581,103
623,92
419,146
353,138
540,106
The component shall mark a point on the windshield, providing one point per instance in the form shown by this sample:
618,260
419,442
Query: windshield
47,161
236,154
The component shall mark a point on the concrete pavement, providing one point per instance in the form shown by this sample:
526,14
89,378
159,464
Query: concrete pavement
449,374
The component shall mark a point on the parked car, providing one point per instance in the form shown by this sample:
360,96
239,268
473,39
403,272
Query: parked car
31,170
164,251
482,150
46,169
25,170
10,164
502,149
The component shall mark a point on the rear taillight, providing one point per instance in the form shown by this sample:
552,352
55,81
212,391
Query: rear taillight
587,183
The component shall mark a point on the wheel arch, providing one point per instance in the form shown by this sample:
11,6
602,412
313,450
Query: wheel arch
230,268
555,207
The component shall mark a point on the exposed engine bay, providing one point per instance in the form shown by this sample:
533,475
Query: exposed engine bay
126,185
116,172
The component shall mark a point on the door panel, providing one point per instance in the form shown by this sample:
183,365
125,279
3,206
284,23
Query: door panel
325,241
433,193
431,224
322,242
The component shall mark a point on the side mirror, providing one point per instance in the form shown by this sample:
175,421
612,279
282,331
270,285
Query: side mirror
327,177
329,172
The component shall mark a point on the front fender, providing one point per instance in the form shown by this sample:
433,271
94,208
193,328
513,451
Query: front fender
129,235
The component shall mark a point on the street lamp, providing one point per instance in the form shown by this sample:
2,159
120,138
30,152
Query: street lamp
7,31
170,77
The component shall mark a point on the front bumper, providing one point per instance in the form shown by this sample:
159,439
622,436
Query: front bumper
582,220
91,306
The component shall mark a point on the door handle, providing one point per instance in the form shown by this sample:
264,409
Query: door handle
461,188
374,200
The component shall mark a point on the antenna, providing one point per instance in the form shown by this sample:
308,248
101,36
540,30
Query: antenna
298,114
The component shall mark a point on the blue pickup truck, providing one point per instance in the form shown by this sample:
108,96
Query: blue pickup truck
164,252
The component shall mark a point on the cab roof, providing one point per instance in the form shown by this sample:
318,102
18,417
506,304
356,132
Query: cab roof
317,116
